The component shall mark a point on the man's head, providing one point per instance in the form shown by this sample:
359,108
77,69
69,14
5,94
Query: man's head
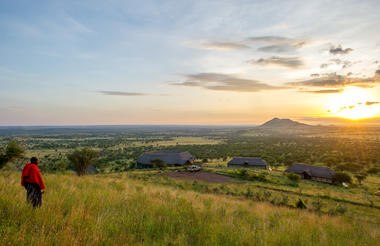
34,160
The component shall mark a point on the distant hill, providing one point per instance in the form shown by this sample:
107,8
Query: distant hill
283,123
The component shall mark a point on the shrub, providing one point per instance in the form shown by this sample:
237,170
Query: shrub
340,177
249,193
293,177
340,209
262,177
360,177
301,204
350,167
158,163
284,200
373,170
132,165
61,166
12,151
318,204
243,172
82,159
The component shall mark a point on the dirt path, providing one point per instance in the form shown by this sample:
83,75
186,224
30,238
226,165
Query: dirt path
201,176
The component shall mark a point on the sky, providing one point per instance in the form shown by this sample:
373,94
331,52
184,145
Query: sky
188,62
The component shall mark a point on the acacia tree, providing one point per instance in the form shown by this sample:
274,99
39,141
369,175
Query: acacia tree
11,152
82,159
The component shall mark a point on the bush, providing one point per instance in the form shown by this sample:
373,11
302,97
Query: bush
293,177
243,172
12,151
61,166
360,177
132,165
249,193
301,204
341,209
318,204
340,177
350,167
82,159
158,163
373,170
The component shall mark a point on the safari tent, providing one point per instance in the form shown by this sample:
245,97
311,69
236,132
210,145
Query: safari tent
316,173
170,157
253,162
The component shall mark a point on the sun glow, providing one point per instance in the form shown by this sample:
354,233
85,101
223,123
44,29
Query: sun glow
354,103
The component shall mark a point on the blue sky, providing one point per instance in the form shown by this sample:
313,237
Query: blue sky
186,62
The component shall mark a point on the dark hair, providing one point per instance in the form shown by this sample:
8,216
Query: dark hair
34,160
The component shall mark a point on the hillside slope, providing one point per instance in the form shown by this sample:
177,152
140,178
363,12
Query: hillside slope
101,210
283,123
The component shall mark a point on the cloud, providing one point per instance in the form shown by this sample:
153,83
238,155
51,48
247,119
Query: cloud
278,44
324,65
342,108
327,91
339,50
272,39
288,62
225,46
314,75
336,81
217,45
339,120
121,93
336,60
277,48
224,82
345,64
371,103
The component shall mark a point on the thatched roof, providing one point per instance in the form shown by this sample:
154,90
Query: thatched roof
314,171
250,161
170,157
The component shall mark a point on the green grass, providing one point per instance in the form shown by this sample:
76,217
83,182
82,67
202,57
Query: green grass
277,189
117,210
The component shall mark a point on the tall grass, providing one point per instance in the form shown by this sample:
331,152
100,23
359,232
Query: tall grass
100,210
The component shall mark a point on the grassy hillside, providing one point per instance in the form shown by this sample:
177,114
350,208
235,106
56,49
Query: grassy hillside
117,210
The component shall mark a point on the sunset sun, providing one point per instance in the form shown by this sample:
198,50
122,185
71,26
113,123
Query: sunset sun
354,103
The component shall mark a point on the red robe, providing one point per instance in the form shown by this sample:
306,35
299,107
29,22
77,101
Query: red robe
31,174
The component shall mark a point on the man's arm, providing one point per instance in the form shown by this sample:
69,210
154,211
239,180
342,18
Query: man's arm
38,178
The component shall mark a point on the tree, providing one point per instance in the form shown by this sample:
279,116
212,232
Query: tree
293,177
360,177
11,152
158,163
82,159
340,177
61,166
350,167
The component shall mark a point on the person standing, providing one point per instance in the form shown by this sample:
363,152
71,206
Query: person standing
32,181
